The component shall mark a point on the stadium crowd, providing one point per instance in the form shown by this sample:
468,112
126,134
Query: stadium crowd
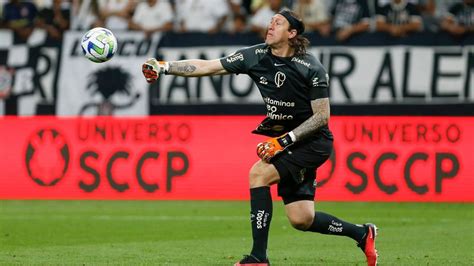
340,18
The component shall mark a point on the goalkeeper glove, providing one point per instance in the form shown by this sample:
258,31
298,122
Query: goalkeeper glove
152,69
268,149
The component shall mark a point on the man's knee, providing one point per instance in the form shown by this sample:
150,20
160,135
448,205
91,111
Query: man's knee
301,222
262,174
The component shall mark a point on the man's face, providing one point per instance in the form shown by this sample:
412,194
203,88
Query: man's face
277,30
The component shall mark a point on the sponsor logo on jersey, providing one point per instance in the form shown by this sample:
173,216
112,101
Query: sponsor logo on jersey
261,51
263,81
271,101
300,61
273,111
315,82
235,57
280,78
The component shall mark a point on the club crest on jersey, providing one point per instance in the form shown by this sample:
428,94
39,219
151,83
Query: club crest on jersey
280,78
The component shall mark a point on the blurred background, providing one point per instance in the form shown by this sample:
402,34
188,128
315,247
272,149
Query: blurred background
402,104
384,56
401,90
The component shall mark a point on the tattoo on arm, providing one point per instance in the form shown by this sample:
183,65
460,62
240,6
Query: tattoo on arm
319,119
181,68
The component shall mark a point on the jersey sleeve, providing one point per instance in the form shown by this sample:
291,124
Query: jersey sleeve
240,61
319,84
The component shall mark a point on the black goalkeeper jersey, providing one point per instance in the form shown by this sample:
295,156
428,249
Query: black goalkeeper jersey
287,85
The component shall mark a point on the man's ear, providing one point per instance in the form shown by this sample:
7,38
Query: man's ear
293,34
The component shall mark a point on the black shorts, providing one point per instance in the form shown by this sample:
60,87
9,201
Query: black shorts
297,166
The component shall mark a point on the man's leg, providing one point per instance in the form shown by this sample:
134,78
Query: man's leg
303,217
261,176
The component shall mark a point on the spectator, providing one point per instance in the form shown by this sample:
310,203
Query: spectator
426,8
255,5
381,3
260,20
115,14
239,24
350,17
1,15
246,6
85,14
236,20
314,14
55,19
201,15
152,16
20,17
399,18
441,7
460,19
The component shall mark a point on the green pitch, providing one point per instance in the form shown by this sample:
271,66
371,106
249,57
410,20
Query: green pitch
218,233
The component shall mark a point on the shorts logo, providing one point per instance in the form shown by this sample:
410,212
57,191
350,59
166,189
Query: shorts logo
47,157
302,174
280,78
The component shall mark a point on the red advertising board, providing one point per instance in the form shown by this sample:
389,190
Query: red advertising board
208,158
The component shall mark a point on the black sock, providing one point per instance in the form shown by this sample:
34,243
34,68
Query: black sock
261,207
327,224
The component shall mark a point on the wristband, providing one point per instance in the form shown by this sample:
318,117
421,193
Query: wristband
164,67
292,136
285,140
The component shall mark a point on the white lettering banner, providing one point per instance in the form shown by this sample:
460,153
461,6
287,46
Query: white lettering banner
359,75
116,87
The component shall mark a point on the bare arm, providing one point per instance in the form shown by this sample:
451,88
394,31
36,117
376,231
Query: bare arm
413,25
196,68
320,118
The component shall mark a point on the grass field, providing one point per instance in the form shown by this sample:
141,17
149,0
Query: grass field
218,233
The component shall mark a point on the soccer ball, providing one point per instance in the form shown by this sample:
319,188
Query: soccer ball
99,45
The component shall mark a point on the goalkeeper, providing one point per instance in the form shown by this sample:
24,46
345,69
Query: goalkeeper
294,86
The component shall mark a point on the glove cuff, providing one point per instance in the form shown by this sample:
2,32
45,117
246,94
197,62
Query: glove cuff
164,67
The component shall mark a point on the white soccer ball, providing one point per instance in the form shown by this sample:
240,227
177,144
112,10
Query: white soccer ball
99,45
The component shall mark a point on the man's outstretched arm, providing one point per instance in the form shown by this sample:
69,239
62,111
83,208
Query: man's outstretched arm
152,68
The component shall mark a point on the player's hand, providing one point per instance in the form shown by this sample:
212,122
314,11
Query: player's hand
268,149
152,69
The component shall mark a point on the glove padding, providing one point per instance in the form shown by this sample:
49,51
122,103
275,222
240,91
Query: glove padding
152,69
268,149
